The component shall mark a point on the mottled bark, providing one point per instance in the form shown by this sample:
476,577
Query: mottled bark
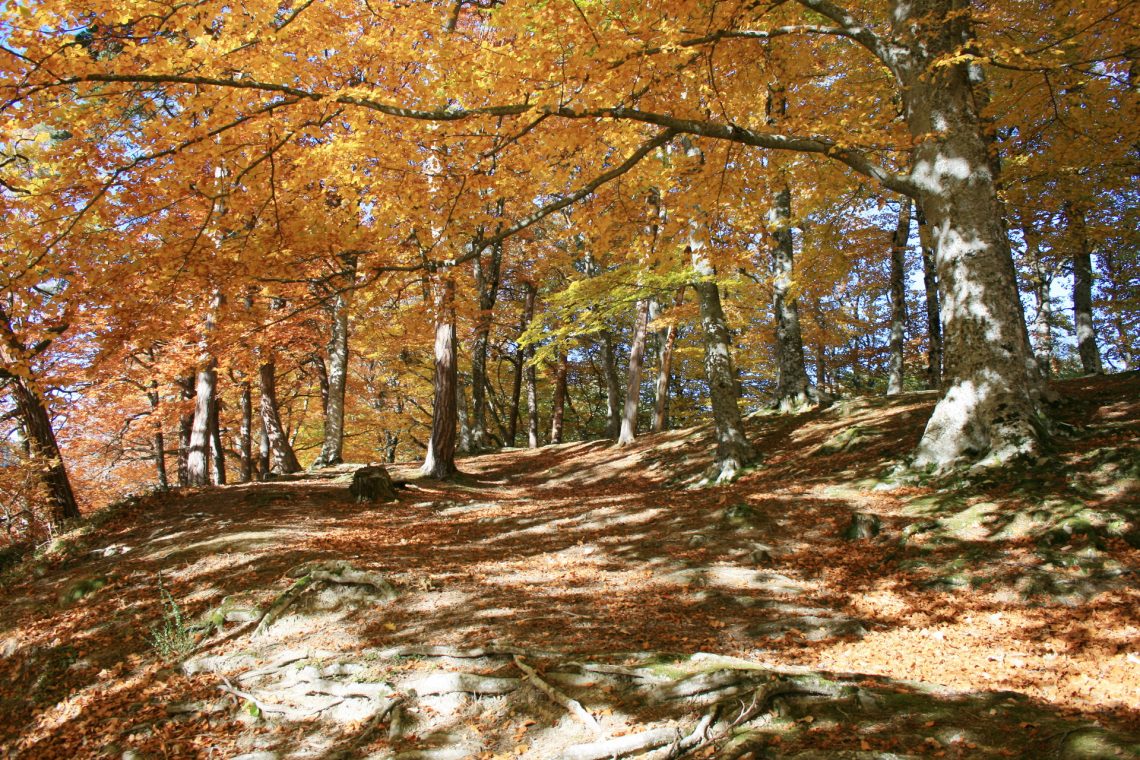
793,389
43,448
633,376
666,340
245,435
185,426
733,451
439,461
1040,285
933,312
158,441
198,460
284,460
466,441
1082,290
487,283
217,450
531,374
898,299
332,446
989,407
264,456
558,403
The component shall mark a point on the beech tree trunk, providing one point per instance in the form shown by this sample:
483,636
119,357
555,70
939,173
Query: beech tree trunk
198,460
516,396
217,450
43,448
633,376
158,442
898,299
245,435
332,446
487,283
613,386
933,313
185,426
1042,302
531,374
466,443
391,442
989,408
284,460
1082,291
733,451
558,404
793,389
667,339
440,459
264,461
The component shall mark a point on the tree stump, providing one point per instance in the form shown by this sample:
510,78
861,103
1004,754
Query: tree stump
863,526
372,484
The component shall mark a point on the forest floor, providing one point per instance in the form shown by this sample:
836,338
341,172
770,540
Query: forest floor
584,601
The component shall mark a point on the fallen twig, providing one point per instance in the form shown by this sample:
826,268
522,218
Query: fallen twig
572,705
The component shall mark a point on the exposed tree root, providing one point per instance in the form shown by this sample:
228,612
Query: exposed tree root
572,705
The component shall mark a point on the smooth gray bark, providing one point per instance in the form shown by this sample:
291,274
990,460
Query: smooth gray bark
613,386
1040,285
1082,291
898,299
666,340
558,403
332,446
439,461
793,389
198,459
284,460
35,420
245,434
633,376
531,373
487,283
933,312
217,450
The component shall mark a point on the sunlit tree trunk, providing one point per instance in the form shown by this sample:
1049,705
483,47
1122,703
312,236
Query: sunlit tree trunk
516,397
264,455
1082,291
42,446
531,374
217,450
989,407
733,451
185,426
933,313
558,404
633,376
793,389
284,460
332,446
666,340
440,459
245,435
898,299
198,460
466,441
1042,302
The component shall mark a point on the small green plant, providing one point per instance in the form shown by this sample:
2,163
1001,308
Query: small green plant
172,639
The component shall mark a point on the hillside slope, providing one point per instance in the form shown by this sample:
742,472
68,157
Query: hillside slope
584,601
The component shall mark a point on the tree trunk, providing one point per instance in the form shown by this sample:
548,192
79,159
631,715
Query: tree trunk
185,426
333,445
264,461
322,371
440,459
284,460
1082,291
667,339
633,376
933,313
466,443
245,435
558,405
487,283
217,450
989,407
793,389
531,374
198,461
36,421
158,441
613,387
516,396
391,442
733,451
898,298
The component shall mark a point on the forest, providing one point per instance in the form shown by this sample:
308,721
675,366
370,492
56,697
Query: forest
627,378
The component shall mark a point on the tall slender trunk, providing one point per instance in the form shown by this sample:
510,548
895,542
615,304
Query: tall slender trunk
185,427
332,446
217,450
284,460
245,435
198,460
43,448
1082,290
487,283
558,404
466,442
158,443
322,371
613,386
516,395
531,374
440,459
989,408
933,312
733,451
1042,280
898,298
633,376
391,442
667,340
793,389
264,455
